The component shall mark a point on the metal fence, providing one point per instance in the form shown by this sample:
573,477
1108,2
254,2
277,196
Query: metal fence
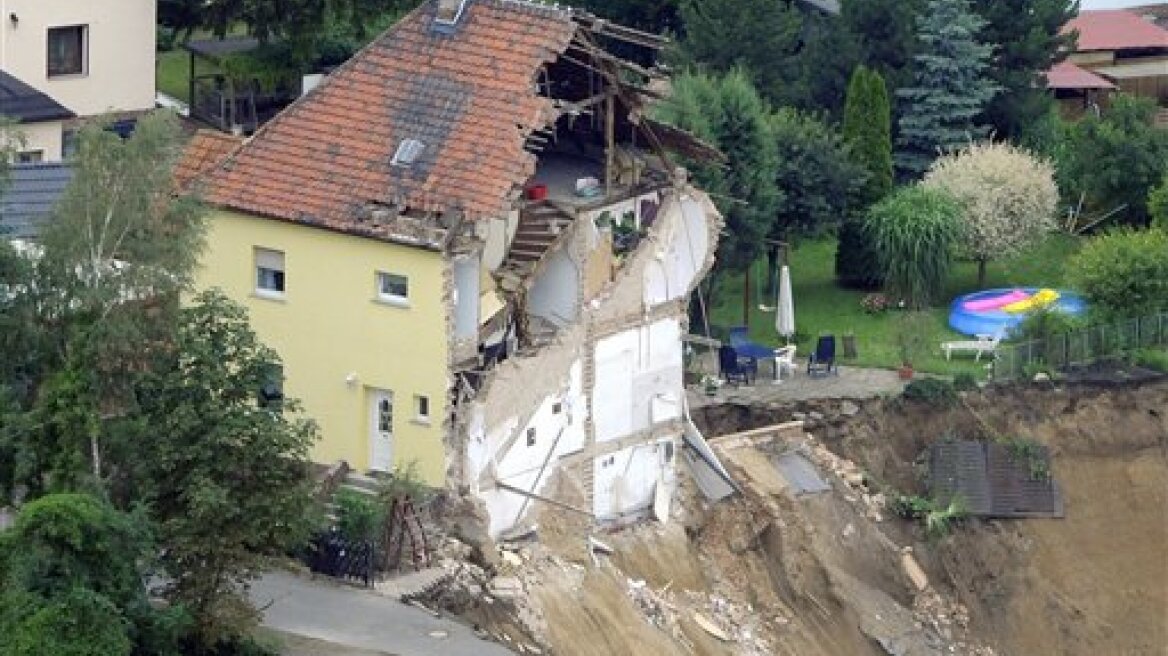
1080,347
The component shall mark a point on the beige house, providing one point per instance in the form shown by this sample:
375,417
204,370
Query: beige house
90,56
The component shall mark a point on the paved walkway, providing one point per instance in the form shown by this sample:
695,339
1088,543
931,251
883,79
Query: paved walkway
851,383
355,618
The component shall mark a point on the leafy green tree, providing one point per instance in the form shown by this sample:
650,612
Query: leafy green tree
915,231
815,171
1008,198
759,37
656,16
225,478
1123,274
99,292
1158,205
72,585
1026,40
1114,160
729,113
950,86
867,131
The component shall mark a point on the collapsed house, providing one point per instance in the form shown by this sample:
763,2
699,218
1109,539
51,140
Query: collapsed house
529,240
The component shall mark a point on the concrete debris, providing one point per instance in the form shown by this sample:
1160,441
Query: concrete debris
599,547
709,627
511,558
913,570
848,409
506,587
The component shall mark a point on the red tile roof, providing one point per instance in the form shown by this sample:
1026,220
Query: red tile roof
469,95
206,150
1065,75
1115,29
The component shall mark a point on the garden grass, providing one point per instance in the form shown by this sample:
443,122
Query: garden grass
173,77
821,307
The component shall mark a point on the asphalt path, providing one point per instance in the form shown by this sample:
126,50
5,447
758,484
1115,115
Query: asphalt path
360,619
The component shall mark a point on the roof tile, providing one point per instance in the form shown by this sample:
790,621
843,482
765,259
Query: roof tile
462,94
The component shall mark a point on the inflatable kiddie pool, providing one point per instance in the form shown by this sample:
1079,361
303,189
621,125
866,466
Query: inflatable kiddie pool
997,311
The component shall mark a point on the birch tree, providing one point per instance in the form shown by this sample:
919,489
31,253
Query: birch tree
88,303
1008,198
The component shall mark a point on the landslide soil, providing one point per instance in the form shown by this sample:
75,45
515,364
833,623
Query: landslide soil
1095,582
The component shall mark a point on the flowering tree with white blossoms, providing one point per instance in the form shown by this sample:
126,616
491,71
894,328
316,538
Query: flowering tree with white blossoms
1008,197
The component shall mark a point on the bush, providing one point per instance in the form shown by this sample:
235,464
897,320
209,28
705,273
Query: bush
933,391
1154,359
1123,273
964,382
359,516
1158,205
915,231
875,303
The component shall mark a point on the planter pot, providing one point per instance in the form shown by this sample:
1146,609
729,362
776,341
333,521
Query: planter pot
905,372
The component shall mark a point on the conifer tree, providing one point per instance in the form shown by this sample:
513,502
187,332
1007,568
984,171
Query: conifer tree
1026,40
867,131
950,88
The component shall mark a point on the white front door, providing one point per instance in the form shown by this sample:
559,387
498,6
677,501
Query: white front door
381,430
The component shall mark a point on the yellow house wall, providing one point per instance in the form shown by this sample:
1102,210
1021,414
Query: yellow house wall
330,325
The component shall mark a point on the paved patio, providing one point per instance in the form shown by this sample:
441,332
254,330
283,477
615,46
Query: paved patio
850,383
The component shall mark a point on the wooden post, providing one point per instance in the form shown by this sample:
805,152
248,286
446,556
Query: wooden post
746,299
609,139
191,88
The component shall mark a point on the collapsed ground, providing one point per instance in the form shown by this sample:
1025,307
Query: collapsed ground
771,572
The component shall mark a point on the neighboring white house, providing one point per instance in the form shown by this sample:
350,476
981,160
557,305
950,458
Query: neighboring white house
38,121
92,56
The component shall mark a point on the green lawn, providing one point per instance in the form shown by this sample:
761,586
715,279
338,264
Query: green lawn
174,74
822,307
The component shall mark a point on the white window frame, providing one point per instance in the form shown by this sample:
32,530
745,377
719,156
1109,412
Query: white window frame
30,157
84,51
269,259
421,402
389,297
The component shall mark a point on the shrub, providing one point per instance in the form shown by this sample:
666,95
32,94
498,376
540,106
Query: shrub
875,303
1158,205
964,382
915,231
359,516
1045,323
912,336
933,391
1154,359
1123,273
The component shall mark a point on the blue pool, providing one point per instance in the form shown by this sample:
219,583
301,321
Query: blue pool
998,322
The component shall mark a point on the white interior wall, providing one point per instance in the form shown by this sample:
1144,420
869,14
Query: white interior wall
674,269
467,295
559,430
639,379
625,480
556,289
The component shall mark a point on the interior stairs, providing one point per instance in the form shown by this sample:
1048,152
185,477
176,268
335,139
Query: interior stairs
541,225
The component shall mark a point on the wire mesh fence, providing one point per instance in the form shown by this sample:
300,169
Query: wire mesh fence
1080,347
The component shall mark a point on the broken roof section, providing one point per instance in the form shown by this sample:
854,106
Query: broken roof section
25,104
431,121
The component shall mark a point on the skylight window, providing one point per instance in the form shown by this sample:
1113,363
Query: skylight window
449,11
408,152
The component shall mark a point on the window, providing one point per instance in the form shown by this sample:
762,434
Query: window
393,288
422,408
531,436
68,48
269,272
69,144
271,394
385,415
408,152
30,157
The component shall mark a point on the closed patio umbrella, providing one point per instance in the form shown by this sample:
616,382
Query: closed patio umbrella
785,314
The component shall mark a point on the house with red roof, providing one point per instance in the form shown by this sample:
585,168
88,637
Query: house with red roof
473,249
1117,50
